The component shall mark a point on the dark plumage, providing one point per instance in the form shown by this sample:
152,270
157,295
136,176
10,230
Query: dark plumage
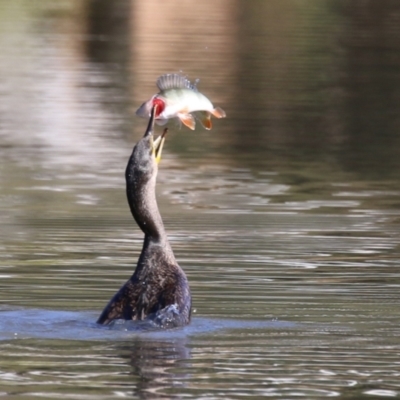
158,290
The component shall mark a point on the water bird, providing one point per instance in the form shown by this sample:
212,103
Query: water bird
179,98
158,290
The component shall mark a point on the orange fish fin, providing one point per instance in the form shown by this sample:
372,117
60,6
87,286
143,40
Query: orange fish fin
188,120
205,119
218,112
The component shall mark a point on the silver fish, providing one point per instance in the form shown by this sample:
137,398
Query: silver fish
178,98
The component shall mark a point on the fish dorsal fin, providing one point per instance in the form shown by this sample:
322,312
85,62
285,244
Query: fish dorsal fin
174,81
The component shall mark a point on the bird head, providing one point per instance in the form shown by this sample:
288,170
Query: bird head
147,152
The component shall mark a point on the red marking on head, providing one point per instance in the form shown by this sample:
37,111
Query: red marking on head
160,105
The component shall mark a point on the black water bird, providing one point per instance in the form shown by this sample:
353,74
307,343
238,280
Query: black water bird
158,290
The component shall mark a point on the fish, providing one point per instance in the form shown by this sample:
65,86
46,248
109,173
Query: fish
179,98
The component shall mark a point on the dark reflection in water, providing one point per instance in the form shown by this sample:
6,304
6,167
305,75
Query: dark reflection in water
371,79
159,367
331,91
107,48
108,32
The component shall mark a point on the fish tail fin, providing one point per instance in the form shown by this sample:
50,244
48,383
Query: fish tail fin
188,120
205,119
218,112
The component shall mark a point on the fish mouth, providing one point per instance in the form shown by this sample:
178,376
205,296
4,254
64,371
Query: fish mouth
157,144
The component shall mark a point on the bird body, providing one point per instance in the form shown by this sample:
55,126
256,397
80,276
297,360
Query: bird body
158,290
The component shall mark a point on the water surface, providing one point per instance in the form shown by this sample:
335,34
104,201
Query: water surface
285,216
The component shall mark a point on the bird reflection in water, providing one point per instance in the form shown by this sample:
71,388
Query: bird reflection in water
159,367
158,291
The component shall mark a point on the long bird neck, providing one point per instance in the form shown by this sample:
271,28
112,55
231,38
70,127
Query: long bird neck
143,204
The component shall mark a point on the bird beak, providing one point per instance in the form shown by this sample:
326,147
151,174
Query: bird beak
158,145
150,126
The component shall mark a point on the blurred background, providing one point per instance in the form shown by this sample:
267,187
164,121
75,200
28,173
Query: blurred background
288,208
300,80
